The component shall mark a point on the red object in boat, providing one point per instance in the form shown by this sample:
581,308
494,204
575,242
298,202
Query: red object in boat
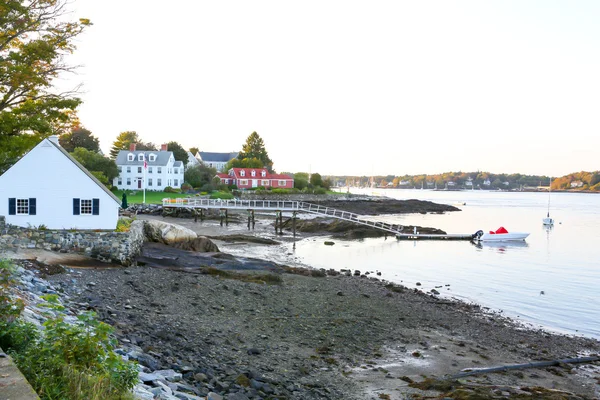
499,230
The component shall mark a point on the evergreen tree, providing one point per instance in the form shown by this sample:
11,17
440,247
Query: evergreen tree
255,148
122,142
178,152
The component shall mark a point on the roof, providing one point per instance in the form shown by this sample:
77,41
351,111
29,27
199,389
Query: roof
178,164
248,174
85,171
216,157
162,157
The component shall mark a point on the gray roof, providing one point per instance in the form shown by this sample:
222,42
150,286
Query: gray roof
85,171
178,164
216,157
162,157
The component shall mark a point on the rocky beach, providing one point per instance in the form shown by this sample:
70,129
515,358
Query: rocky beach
230,327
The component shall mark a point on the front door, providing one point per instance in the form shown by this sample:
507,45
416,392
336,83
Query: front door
139,183
254,183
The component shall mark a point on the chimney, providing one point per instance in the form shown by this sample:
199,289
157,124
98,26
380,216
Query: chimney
164,147
132,147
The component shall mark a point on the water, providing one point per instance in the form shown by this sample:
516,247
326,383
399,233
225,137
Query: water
551,281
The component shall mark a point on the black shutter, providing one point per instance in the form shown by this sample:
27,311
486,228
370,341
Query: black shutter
95,206
32,207
12,206
75,206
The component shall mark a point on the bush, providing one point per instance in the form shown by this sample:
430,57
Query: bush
169,189
186,187
221,195
64,361
124,224
320,190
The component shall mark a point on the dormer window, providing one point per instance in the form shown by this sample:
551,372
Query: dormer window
231,173
243,173
263,174
253,173
140,157
152,157
130,157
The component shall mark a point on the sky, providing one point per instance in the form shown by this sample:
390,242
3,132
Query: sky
350,87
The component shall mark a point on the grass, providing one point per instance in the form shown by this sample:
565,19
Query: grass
136,196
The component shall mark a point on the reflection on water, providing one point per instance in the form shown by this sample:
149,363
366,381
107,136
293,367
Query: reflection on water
559,261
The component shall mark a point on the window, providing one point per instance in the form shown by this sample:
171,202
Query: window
243,182
86,206
158,182
130,157
281,183
128,181
253,173
120,169
119,182
139,170
149,170
128,169
263,174
176,182
227,181
159,170
152,157
264,182
140,157
22,206
149,181
243,173
176,171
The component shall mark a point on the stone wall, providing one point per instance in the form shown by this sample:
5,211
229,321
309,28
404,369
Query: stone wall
107,246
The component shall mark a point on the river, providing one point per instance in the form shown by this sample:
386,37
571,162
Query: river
552,280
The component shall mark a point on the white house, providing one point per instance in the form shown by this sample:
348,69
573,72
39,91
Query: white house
158,167
49,187
215,160
192,161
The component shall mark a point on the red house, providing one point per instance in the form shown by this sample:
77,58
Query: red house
246,178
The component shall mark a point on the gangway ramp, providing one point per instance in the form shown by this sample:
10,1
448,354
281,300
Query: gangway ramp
281,205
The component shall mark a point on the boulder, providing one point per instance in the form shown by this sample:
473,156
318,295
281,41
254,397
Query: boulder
164,232
199,244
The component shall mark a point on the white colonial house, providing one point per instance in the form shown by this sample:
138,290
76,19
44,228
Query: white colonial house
150,170
192,160
48,187
215,160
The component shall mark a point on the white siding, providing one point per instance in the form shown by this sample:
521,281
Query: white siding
50,177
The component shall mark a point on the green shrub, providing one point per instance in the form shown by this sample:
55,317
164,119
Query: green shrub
221,195
64,361
170,189
186,187
124,224
320,190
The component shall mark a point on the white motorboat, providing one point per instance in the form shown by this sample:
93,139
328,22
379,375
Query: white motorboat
500,235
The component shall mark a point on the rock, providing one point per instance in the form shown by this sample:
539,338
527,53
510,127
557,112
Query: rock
329,243
164,232
214,396
200,244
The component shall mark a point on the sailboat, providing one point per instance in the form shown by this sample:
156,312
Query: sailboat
548,221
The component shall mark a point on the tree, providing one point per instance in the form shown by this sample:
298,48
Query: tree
122,142
245,163
199,175
95,162
316,180
255,148
178,152
35,37
79,137
194,150
148,146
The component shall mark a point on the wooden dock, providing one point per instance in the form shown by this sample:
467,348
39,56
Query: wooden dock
419,236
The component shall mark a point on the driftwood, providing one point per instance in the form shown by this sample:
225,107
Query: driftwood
540,364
